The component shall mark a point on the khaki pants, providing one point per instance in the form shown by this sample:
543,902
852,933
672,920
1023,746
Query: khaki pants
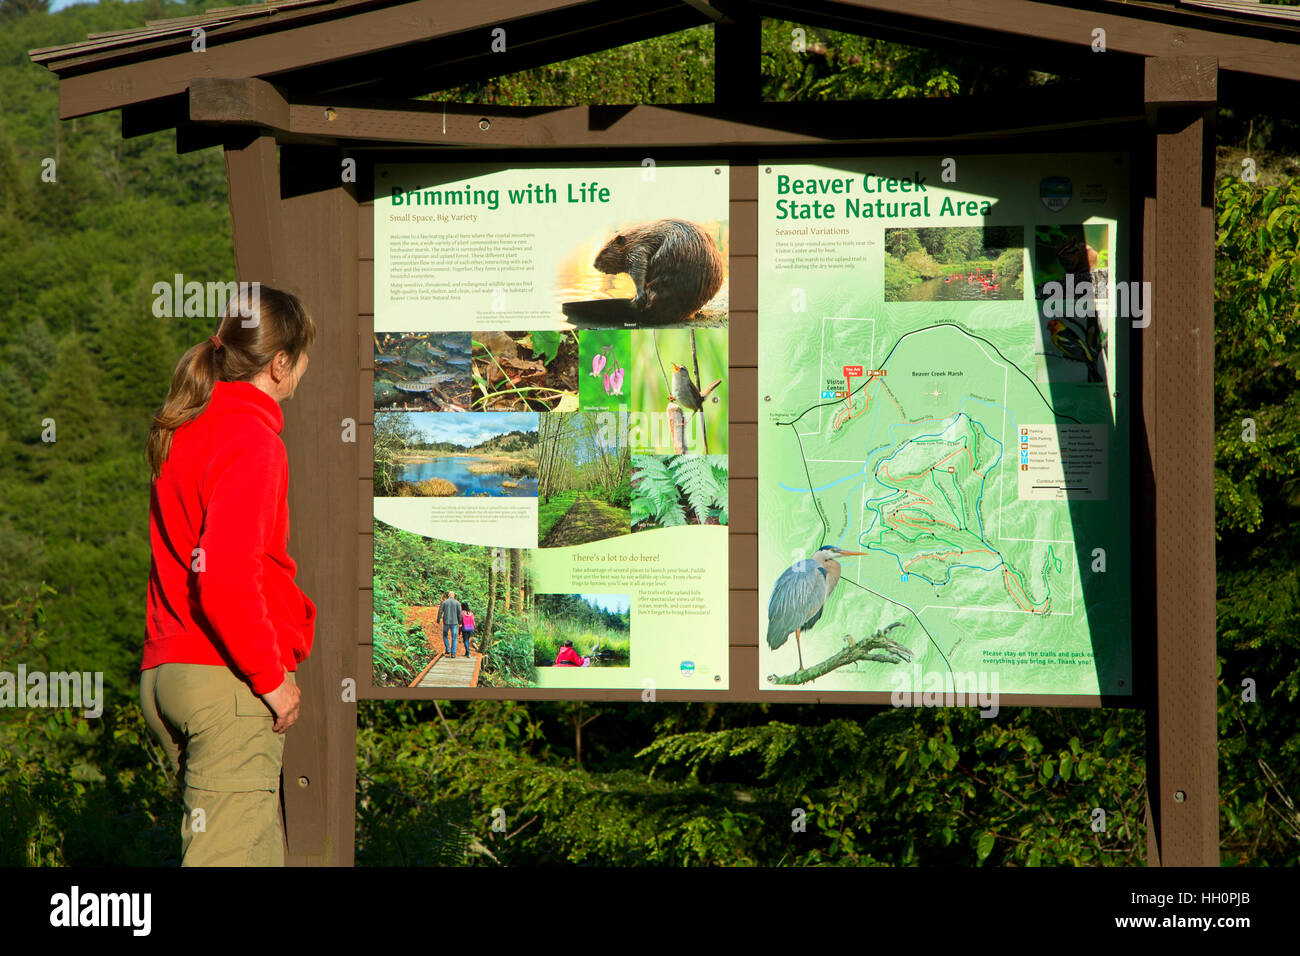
218,738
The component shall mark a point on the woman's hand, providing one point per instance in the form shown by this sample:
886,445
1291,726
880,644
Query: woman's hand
283,702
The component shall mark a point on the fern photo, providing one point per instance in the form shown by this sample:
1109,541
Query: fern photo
676,490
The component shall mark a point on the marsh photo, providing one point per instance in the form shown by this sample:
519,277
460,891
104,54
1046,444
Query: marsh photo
444,454
954,264
581,630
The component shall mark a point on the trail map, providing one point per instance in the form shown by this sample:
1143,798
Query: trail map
931,413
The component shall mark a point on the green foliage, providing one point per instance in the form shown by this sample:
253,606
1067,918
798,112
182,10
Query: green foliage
509,659
676,68
1257,276
841,66
549,512
679,490
545,345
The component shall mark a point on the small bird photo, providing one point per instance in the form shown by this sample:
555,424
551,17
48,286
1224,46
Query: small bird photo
678,392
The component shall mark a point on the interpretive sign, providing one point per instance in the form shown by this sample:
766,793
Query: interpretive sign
551,426
944,426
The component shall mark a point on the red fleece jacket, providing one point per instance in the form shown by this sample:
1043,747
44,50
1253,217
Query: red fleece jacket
221,587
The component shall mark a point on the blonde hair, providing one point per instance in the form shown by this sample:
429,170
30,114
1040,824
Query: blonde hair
255,326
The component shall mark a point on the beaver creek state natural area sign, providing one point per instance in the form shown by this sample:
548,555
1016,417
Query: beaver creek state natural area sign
943,425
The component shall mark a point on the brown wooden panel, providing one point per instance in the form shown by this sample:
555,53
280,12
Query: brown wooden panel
744,283
365,397
743,460
743,506
365,622
366,287
366,342
366,506
743,341
1184,786
320,755
743,549
743,607
744,395
366,560
744,227
365,224
744,183
365,455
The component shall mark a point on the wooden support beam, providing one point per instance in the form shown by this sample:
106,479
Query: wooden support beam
254,184
737,59
240,102
318,265
376,122
1178,347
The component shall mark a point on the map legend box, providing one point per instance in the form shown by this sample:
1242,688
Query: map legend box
1062,461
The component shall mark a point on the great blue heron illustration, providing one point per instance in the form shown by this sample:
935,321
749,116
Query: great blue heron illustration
800,595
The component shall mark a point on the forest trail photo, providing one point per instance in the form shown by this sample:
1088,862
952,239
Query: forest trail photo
587,520
583,478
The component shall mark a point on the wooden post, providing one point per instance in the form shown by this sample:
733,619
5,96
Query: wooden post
1178,417
319,221
254,185
737,48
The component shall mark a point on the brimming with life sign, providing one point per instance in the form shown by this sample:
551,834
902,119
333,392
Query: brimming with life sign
944,425
551,425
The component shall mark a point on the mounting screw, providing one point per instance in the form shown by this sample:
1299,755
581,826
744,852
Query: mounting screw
304,782
484,124
330,115
1179,796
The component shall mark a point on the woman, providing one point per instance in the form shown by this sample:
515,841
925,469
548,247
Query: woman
466,624
227,626
568,657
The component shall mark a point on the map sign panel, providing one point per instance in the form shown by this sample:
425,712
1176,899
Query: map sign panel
943,425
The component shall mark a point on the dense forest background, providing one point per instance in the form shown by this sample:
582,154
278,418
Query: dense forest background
629,784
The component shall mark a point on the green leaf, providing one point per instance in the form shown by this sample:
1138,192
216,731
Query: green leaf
545,345
985,846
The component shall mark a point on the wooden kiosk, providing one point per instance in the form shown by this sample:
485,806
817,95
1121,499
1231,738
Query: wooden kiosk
292,91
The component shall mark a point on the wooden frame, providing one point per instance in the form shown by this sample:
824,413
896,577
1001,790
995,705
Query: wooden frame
307,80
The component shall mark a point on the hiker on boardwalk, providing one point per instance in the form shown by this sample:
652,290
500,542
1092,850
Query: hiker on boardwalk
449,615
466,625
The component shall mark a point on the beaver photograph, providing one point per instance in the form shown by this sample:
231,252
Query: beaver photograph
675,267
